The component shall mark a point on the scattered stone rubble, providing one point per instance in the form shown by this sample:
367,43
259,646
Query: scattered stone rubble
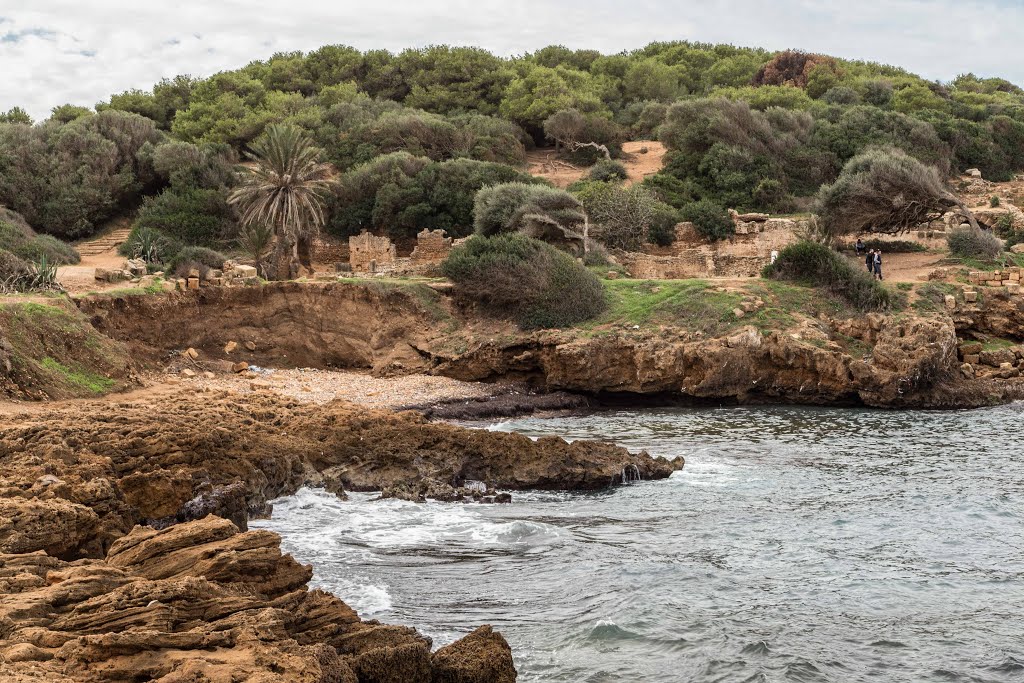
231,274
1002,363
1010,278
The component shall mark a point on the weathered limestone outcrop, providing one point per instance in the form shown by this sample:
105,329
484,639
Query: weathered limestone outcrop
86,594
908,359
202,601
74,480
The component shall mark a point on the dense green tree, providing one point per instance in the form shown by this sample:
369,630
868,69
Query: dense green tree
798,118
16,115
66,113
541,91
399,195
650,79
66,178
456,79
884,190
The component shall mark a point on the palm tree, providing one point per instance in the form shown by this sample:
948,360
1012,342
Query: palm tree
284,189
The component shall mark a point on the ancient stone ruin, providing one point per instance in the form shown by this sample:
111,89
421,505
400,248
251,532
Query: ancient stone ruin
432,246
370,254
691,255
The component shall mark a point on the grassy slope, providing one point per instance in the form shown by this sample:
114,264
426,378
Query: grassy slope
54,352
699,305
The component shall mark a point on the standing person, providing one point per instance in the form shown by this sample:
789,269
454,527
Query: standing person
859,247
869,261
878,264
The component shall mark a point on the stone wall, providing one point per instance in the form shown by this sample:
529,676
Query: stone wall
432,246
327,249
693,264
1009,278
371,254
692,256
379,255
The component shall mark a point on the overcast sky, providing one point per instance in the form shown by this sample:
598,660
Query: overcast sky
58,51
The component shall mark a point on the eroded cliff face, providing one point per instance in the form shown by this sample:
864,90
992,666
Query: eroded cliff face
906,361
903,360
202,601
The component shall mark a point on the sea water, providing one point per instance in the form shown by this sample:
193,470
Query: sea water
797,544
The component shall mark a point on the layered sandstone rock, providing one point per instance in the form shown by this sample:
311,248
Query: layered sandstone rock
203,602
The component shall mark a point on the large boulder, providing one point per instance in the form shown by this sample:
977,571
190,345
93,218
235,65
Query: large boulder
483,656
57,526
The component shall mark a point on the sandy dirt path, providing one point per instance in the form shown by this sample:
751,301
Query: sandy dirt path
544,163
98,252
303,384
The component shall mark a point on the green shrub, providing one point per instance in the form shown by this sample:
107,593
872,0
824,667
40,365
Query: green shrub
624,217
818,266
13,271
150,245
399,195
607,171
67,178
662,230
1004,225
19,239
19,275
1013,238
993,201
597,256
196,257
525,280
191,215
515,207
972,243
711,220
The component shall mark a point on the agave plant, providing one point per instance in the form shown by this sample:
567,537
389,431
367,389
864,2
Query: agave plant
284,189
148,244
44,275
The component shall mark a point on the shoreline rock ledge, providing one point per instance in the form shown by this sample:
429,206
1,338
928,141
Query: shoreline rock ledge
124,554
203,601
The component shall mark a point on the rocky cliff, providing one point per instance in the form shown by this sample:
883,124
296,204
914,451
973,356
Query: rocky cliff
75,479
903,360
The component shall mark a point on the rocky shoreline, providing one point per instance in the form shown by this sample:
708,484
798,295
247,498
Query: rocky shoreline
123,549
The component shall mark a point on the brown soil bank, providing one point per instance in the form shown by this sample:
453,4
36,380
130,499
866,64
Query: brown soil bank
86,595
905,360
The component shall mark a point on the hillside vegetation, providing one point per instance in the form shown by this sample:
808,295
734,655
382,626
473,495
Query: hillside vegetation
744,128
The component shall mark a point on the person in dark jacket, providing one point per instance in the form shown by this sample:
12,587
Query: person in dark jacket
869,261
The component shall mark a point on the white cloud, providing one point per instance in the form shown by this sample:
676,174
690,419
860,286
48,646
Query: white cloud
59,51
